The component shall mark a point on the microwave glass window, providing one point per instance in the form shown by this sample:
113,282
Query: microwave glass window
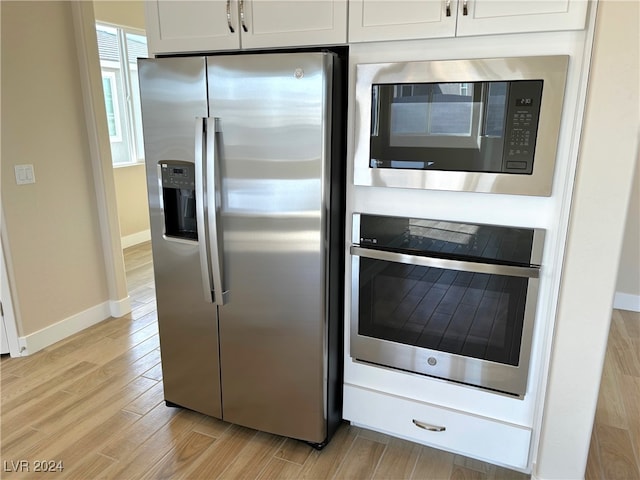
431,109
464,126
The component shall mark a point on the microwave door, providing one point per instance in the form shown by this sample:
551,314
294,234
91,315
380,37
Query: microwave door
480,125
438,126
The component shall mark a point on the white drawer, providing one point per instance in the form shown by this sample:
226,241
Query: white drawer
470,435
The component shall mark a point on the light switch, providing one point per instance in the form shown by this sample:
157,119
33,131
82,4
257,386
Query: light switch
24,174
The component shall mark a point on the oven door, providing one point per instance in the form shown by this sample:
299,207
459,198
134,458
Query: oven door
462,321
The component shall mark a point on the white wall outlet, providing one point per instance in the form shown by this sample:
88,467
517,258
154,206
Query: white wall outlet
24,174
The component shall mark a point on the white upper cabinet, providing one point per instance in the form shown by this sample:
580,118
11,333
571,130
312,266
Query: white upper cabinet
483,17
379,20
372,20
210,25
294,23
185,26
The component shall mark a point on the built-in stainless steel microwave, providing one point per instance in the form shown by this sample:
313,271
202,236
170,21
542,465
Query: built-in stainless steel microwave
483,125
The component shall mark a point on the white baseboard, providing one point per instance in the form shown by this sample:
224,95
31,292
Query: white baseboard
626,301
136,238
36,341
119,308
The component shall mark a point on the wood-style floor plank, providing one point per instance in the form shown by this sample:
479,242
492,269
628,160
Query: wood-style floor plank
433,464
222,453
630,387
71,446
127,440
398,461
616,453
188,450
594,469
326,463
95,402
253,457
280,469
464,473
138,462
611,409
23,418
615,447
24,393
363,456
93,466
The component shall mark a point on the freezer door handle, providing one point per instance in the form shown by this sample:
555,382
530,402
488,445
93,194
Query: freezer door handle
212,209
201,214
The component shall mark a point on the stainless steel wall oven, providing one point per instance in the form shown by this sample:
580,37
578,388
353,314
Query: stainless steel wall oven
446,299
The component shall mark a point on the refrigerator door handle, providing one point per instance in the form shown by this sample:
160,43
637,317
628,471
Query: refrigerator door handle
213,202
200,209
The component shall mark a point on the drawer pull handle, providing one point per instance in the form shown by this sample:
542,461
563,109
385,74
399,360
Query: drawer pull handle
426,426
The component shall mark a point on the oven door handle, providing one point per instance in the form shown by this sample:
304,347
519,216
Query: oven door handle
490,268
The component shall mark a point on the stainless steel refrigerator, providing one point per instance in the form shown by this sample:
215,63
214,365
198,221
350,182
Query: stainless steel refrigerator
245,172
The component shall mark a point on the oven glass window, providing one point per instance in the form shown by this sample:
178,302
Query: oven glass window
471,314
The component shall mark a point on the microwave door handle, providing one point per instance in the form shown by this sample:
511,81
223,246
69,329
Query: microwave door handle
213,210
460,265
201,225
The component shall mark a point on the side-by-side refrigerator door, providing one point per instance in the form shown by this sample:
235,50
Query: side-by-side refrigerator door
174,112
271,112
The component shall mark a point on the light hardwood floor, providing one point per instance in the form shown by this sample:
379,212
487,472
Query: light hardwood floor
94,403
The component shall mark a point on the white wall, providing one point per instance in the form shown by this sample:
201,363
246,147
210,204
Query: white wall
54,239
129,13
58,236
609,149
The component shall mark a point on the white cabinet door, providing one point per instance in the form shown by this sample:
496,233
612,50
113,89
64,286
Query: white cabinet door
191,26
483,17
376,20
380,20
211,25
286,23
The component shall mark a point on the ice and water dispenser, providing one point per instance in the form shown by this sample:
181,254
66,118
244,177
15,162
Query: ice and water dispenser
179,198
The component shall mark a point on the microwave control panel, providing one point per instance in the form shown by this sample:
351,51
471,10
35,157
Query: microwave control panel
523,112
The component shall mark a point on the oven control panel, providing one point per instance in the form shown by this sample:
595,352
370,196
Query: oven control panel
445,239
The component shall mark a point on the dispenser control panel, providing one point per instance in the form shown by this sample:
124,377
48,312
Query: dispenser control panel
180,175
179,199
